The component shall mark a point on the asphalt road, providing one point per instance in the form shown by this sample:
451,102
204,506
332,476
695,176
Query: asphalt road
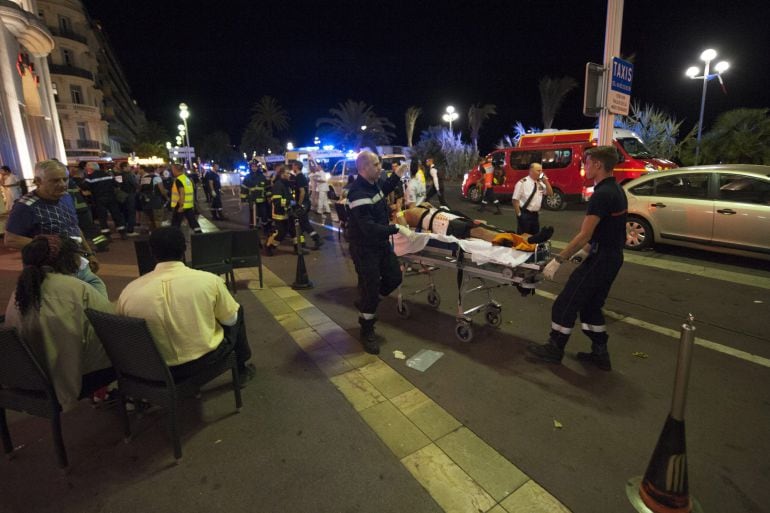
609,422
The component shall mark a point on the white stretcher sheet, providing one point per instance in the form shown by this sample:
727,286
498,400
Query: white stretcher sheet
480,251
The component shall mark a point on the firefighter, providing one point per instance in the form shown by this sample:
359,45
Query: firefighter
101,185
253,192
83,211
302,196
369,232
493,175
283,204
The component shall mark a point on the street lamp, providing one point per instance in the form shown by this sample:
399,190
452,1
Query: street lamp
707,56
289,145
450,116
184,113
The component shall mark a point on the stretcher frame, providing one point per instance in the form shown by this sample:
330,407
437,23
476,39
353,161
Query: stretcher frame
471,278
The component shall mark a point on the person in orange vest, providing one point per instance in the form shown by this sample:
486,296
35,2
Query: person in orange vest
493,175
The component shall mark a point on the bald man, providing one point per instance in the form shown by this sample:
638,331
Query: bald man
528,198
369,232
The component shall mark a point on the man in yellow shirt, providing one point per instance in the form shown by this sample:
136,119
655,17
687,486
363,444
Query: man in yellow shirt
191,314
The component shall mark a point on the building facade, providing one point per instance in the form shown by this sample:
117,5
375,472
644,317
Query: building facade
99,118
29,129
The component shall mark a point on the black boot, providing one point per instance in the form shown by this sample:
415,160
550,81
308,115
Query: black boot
317,242
551,352
599,355
368,338
481,207
497,206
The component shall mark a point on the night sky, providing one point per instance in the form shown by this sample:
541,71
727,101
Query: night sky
221,57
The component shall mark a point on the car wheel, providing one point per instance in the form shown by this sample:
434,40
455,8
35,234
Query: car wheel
474,194
555,202
638,234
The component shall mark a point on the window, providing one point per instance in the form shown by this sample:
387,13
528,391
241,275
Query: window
555,159
683,186
522,159
55,90
77,94
68,57
743,189
498,159
644,189
65,24
82,131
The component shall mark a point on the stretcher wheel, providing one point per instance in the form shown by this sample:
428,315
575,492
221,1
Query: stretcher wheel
403,310
434,299
493,316
464,331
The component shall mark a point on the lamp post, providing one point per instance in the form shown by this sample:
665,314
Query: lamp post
450,116
707,56
184,113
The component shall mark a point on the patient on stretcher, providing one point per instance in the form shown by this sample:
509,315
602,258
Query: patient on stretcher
426,218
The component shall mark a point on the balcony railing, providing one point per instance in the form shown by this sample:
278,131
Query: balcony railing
69,34
60,69
82,144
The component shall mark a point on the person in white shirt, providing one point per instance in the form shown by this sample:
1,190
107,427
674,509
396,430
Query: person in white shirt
415,190
321,189
312,179
10,188
437,182
528,198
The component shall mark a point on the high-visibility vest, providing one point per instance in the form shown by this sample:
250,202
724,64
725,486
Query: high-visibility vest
188,192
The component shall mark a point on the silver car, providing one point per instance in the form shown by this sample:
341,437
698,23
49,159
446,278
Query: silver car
723,208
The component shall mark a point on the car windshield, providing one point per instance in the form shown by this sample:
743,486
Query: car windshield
635,148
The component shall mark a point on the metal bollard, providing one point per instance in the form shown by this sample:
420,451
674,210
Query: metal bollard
664,488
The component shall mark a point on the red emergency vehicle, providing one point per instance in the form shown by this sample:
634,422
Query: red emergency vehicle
561,154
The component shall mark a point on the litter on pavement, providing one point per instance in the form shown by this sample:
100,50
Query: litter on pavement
423,359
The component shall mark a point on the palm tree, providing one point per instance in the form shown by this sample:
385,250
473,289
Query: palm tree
477,114
411,115
355,124
552,93
267,113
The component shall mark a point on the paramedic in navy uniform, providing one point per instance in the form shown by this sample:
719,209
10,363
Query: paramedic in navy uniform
369,233
599,247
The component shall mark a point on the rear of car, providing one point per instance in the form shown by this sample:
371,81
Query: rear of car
722,208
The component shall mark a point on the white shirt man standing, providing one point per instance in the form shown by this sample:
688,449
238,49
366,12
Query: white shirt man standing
528,198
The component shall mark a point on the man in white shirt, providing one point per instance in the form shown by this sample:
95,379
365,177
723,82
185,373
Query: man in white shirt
528,198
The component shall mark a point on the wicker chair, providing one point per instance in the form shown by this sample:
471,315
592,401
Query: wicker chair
245,252
212,252
25,387
143,374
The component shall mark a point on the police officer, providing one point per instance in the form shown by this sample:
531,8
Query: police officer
599,245
302,195
369,231
253,188
437,181
282,200
101,185
214,184
528,199
183,199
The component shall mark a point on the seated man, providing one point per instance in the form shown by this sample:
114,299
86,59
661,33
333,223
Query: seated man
48,309
191,314
427,218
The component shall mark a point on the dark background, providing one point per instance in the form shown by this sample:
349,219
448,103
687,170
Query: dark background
221,57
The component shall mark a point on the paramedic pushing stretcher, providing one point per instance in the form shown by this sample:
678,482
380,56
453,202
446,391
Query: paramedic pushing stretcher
369,233
599,245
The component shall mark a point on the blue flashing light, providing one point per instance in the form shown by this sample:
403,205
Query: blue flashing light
351,154
328,147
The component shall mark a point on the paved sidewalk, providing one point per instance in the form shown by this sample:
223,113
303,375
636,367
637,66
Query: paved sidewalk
325,427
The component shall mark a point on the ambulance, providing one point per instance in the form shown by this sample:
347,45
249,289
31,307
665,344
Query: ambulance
561,154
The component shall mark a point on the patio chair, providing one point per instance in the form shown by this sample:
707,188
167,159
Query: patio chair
246,252
212,252
143,374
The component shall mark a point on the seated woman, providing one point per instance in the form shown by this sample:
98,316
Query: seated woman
48,309
427,218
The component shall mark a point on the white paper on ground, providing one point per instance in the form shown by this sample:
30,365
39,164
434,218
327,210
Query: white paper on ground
423,359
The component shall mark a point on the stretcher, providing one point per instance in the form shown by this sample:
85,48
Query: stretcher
481,268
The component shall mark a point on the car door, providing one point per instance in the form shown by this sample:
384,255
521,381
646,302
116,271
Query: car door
742,212
681,209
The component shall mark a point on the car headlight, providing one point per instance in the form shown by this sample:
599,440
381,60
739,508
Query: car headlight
649,167
465,179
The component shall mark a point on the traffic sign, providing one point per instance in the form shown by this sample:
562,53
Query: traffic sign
619,94
182,152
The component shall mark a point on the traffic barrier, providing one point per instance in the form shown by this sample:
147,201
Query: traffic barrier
665,488
301,280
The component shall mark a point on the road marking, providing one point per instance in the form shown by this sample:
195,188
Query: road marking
696,270
714,346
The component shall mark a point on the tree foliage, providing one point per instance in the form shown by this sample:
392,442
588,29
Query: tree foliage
257,139
447,149
216,146
658,129
347,122
552,94
268,115
410,118
151,140
740,136
477,114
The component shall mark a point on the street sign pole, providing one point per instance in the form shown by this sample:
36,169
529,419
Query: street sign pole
612,35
